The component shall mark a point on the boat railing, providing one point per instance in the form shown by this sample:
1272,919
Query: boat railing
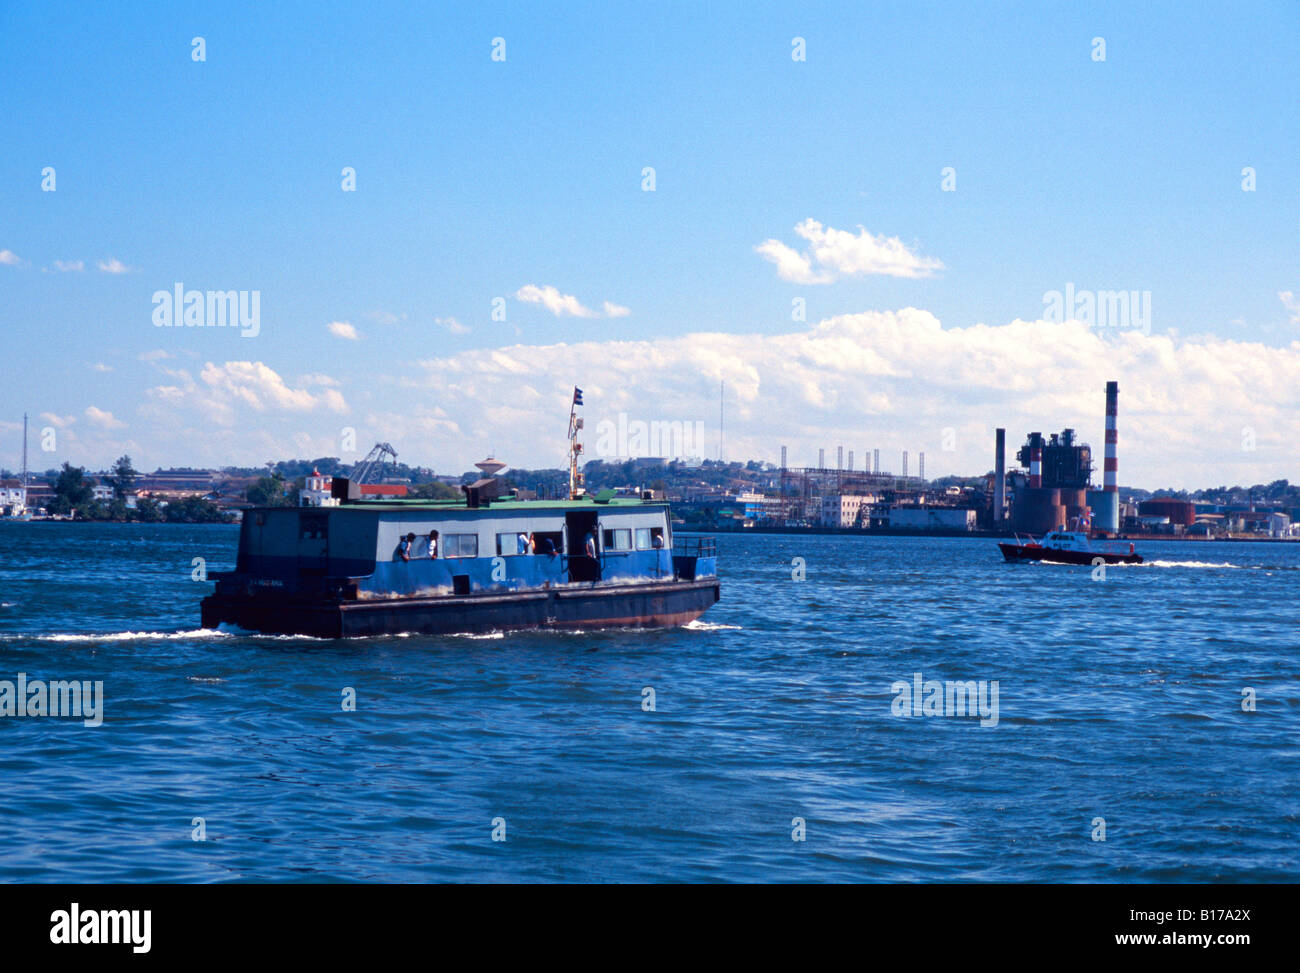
695,546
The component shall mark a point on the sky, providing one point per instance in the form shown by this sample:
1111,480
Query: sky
875,226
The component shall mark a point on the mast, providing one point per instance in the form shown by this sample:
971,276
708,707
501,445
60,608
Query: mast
576,488
24,458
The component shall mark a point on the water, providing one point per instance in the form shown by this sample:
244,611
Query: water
1118,699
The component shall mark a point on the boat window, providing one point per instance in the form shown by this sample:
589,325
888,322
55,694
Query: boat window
313,527
618,539
513,543
548,542
649,538
460,545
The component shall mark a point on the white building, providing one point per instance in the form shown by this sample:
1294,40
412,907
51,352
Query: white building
316,491
845,509
932,518
13,498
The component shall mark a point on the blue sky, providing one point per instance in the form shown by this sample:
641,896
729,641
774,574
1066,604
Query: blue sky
479,179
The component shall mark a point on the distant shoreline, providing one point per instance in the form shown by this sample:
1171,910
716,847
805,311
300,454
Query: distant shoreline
791,531
952,532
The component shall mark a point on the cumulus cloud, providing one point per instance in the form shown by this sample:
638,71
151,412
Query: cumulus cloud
221,390
9,259
452,325
833,253
896,380
342,329
103,418
111,265
69,266
561,304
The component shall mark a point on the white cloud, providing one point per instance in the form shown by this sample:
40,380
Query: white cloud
896,380
68,266
561,304
1291,304
58,421
385,317
9,259
452,325
342,329
222,390
833,253
103,418
99,366
112,265
316,378
156,355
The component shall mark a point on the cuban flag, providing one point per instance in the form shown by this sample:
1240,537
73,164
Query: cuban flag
1085,520
577,395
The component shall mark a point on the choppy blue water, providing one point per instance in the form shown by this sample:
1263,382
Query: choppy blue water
1118,699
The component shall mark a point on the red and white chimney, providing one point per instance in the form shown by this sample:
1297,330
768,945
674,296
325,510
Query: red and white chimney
1036,462
1110,481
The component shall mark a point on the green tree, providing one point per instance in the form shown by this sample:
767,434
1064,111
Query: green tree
72,490
271,491
123,477
435,490
147,511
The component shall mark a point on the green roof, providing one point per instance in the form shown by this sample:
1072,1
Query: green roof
460,503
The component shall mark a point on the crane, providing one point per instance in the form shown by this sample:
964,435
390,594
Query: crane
375,456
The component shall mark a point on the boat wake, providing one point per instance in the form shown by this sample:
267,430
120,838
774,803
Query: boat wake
1185,564
695,625
197,633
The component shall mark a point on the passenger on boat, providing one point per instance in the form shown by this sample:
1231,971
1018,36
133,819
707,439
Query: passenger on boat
525,543
433,543
404,548
590,544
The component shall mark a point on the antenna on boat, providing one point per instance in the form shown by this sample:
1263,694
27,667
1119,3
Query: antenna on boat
576,486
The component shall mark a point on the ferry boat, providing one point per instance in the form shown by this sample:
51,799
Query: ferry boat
1070,547
353,566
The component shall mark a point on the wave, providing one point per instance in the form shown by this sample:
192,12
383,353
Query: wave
1186,564
695,625
197,633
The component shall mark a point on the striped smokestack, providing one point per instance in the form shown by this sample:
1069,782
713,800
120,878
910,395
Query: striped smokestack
1035,460
1110,481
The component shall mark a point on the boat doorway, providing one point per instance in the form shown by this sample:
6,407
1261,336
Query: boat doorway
578,524
313,542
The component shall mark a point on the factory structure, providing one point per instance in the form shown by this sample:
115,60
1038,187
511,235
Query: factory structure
1057,493
1051,490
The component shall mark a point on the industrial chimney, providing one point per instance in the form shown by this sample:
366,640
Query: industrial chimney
1105,502
1000,478
1035,460
1110,481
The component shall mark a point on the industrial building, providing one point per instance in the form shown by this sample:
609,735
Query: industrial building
1057,494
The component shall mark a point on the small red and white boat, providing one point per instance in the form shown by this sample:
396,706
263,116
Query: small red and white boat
1070,547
